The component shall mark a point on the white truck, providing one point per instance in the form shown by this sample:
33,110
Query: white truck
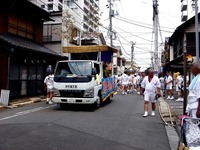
82,82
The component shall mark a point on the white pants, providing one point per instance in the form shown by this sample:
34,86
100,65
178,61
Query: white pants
150,97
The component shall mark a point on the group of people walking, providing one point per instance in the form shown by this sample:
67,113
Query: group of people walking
128,83
148,86
152,86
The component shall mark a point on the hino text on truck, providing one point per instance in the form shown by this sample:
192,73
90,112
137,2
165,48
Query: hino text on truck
82,79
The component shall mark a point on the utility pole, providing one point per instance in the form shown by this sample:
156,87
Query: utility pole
152,56
196,30
132,52
155,23
111,14
185,74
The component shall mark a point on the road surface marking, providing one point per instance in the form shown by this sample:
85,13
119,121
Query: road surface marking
25,112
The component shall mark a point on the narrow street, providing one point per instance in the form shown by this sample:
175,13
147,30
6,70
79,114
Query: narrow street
117,125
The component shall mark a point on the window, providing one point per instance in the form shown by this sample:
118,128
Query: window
50,6
97,68
40,74
52,32
21,27
42,6
32,73
25,78
14,72
59,7
23,72
69,3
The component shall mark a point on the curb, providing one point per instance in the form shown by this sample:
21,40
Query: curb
170,118
166,113
22,102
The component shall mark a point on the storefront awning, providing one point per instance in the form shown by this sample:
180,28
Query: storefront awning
24,44
87,49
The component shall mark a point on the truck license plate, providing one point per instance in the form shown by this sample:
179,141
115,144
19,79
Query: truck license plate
70,100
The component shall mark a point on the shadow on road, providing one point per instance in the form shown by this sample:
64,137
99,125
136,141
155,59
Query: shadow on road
81,107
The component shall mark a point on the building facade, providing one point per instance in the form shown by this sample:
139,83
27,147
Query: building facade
49,5
182,40
76,25
89,12
23,57
71,19
188,9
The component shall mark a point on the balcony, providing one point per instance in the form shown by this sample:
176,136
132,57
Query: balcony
184,16
184,5
86,2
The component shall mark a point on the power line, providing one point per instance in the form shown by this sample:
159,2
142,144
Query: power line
133,34
142,23
160,31
124,49
142,26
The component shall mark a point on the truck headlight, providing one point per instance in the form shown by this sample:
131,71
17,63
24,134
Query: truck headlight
89,93
56,92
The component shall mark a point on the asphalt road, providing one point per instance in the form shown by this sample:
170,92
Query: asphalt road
117,125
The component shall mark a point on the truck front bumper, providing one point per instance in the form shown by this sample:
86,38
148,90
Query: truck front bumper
70,100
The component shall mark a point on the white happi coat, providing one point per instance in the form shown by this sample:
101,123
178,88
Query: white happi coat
124,79
150,87
193,96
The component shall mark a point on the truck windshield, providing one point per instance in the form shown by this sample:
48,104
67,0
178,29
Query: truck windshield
80,71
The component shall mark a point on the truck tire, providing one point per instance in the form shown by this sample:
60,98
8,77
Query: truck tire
108,99
97,104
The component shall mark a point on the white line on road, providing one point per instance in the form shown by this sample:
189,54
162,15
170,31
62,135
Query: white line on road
25,112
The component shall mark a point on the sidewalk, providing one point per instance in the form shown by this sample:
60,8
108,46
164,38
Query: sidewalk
170,110
23,101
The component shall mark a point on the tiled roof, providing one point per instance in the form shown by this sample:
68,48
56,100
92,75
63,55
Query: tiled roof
26,44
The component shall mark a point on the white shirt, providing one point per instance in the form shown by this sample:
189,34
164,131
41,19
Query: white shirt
124,79
131,79
194,95
150,87
179,80
49,81
119,79
168,79
162,81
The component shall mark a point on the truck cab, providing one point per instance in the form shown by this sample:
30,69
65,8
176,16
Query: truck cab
78,82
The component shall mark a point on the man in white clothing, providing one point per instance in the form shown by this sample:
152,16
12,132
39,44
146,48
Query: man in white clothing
48,86
124,82
130,84
169,86
151,84
193,107
179,86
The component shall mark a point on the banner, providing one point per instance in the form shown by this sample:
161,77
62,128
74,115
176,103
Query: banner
108,86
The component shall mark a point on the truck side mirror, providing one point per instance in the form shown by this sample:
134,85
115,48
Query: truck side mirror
94,71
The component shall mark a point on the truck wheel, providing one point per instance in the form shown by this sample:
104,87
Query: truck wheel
97,103
109,99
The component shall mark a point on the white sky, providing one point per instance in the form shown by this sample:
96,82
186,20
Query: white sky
140,12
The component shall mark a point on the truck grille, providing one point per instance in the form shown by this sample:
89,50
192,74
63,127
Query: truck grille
71,93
